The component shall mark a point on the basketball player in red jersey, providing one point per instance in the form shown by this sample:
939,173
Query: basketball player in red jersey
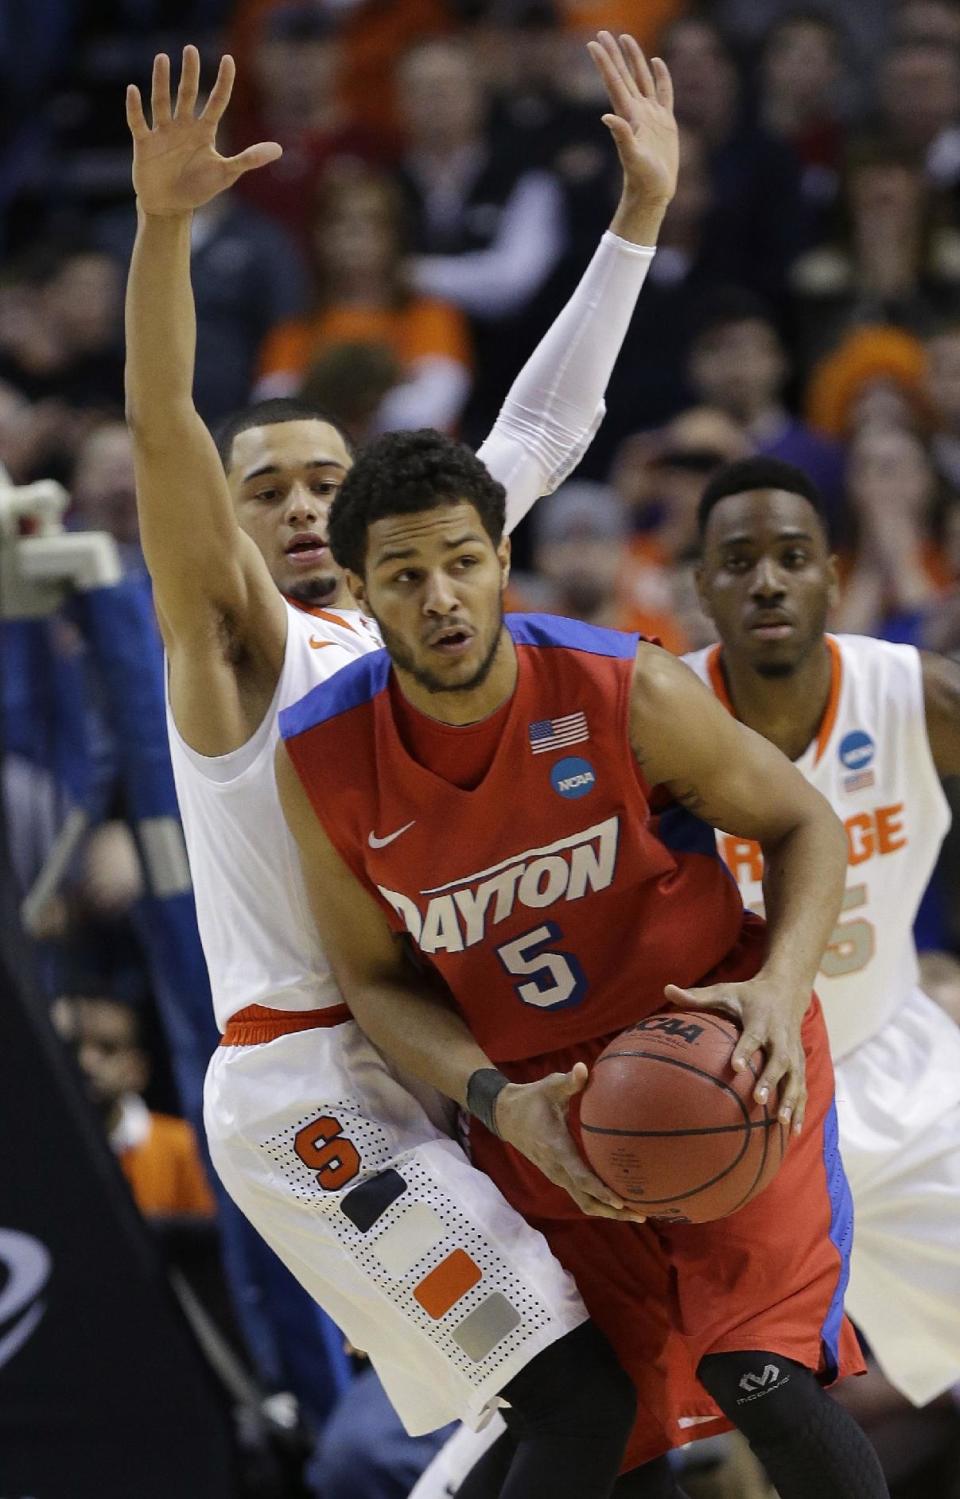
531,803
227,531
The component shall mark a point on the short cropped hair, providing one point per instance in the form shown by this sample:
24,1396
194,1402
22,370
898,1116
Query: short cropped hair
268,414
747,474
401,473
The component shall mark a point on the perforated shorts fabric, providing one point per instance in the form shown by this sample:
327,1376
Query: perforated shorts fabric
898,1102
352,1176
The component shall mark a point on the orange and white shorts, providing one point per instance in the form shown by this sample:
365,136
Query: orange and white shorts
351,1174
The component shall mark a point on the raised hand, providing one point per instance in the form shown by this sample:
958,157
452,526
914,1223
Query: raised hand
176,165
642,123
532,1117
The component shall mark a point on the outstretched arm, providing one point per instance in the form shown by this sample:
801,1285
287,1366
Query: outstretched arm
734,779
413,1026
556,404
201,563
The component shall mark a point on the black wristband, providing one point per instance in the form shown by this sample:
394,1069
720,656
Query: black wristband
483,1090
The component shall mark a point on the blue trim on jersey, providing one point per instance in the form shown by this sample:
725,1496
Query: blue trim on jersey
683,833
361,680
841,1235
571,635
357,683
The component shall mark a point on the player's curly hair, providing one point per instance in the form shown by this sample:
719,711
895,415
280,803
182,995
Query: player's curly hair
403,472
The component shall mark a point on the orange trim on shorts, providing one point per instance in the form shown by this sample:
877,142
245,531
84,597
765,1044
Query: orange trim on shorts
719,684
257,1023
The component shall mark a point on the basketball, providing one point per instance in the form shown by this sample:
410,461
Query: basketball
669,1124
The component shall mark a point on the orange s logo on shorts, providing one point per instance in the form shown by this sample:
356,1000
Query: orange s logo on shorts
321,1146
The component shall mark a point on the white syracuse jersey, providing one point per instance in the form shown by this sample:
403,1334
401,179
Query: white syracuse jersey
257,930
872,762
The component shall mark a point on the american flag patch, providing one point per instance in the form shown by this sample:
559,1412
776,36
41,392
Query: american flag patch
557,733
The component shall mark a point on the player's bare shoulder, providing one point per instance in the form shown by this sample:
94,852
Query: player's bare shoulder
661,685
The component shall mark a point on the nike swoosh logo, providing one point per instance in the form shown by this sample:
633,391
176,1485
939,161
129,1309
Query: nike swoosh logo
376,842
318,645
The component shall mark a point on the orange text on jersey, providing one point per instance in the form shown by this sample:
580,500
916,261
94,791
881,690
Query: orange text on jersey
869,835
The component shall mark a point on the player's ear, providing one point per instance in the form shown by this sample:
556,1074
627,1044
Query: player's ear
833,580
503,557
358,588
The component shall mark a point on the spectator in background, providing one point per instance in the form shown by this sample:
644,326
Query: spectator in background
157,1153
757,225
579,549
488,230
927,21
659,477
248,276
363,296
801,79
297,63
897,570
918,90
373,34
891,263
31,435
103,490
739,365
646,21
864,23
60,331
943,395
875,376
350,381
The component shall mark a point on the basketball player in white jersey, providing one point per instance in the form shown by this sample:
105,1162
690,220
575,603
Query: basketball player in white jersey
873,726
413,1253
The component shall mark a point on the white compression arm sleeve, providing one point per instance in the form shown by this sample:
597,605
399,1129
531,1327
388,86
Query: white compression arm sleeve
555,405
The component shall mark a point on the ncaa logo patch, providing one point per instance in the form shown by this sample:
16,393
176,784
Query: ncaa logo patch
572,777
857,750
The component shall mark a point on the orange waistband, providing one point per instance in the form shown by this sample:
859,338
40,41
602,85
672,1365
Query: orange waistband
257,1023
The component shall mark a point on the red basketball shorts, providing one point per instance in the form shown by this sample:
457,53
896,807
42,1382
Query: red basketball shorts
771,1277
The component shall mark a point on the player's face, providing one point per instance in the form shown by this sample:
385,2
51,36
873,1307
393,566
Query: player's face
767,579
284,478
434,583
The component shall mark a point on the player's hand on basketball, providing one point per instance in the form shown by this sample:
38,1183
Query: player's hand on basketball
770,1023
176,165
641,122
532,1117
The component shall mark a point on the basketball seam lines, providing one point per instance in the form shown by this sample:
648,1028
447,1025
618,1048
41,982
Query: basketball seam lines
711,1129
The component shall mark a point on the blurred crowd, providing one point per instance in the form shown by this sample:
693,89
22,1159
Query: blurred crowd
445,178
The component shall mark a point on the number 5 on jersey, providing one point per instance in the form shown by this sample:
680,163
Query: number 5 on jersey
555,979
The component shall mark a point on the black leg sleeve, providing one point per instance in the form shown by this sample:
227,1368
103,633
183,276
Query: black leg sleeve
809,1445
570,1416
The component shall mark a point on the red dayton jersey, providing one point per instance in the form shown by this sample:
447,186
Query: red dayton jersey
555,903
